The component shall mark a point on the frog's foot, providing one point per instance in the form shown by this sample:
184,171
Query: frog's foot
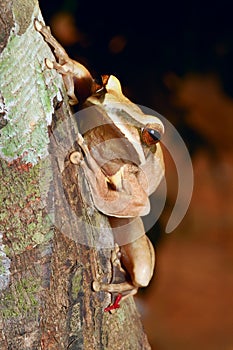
119,288
76,157
119,283
49,64
119,292
54,65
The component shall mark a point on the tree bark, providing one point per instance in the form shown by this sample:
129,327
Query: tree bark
53,242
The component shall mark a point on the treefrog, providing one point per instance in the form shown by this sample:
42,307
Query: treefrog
123,162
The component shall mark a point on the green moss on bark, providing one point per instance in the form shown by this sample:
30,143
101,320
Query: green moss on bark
21,299
23,218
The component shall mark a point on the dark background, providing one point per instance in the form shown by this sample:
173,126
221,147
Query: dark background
161,36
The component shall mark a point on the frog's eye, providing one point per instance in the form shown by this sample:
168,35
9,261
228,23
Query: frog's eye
151,134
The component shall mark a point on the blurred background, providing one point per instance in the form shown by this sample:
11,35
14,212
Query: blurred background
175,58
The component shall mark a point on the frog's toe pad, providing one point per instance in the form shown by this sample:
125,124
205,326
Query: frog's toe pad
96,286
75,157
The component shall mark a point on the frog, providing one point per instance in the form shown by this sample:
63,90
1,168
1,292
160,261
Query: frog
122,159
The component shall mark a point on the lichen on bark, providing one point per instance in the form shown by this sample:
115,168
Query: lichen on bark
24,82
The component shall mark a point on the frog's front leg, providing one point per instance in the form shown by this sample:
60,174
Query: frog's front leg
59,51
98,182
119,195
77,79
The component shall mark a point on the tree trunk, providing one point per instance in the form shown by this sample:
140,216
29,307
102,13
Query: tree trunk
53,242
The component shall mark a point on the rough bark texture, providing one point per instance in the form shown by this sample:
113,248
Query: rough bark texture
46,269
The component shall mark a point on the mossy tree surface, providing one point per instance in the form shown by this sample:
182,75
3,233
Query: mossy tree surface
46,272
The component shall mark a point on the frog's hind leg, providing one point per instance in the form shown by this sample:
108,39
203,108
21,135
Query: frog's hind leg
119,284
